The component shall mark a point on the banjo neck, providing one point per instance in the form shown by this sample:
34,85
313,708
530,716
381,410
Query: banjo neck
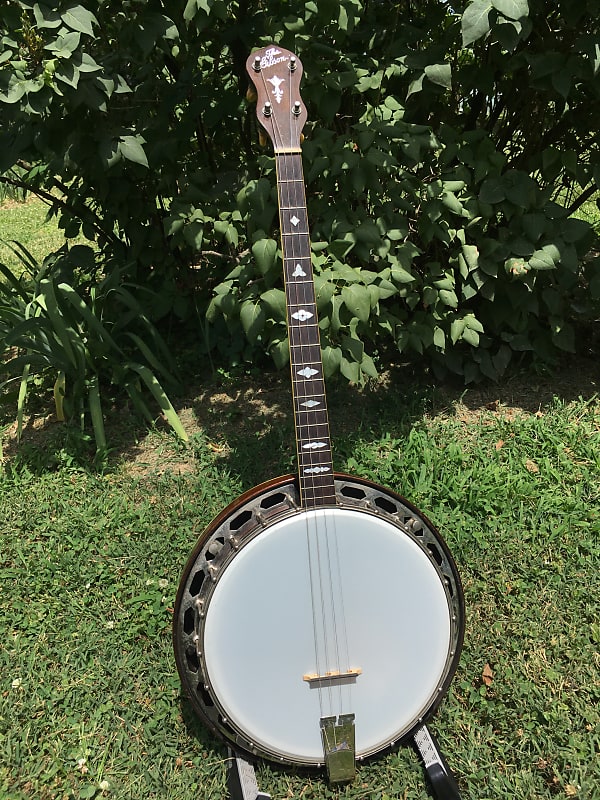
315,469
276,74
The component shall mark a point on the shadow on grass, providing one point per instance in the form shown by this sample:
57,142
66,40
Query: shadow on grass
246,423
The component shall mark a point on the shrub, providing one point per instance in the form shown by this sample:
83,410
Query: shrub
448,150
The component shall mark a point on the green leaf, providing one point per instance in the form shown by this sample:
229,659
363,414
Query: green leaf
109,152
64,45
401,275
280,352
353,347
471,336
350,370
545,258
193,233
448,298
324,291
563,336
534,226
190,10
357,301
456,329
332,358
367,365
80,19
475,21
492,191
416,85
253,319
473,323
131,148
17,87
264,252
513,9
86,63
441,74
451,201
439,338
468,259
274,300
67,73
45,17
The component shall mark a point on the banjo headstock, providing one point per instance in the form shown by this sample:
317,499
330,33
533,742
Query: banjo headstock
276,75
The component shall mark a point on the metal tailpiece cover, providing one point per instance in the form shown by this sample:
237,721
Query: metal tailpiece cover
338,745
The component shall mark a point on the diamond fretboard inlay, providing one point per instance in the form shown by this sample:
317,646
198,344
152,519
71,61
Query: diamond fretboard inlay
302,315
307,372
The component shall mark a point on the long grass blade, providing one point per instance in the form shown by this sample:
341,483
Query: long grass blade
71,341
14,282
151,358
161,398
21,400
87,314
59,396
138,402
157,339
23,254
96,413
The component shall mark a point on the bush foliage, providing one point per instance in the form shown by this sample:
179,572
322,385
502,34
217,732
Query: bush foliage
448,149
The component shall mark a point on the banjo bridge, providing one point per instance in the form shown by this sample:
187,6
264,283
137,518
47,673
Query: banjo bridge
331,678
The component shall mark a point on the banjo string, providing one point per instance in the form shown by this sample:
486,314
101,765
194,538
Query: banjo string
322,584
326,556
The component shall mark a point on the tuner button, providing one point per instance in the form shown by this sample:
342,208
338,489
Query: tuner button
251,95
297,108
256,65
267,109
292,63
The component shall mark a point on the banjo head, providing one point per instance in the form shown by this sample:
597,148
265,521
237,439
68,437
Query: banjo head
285,616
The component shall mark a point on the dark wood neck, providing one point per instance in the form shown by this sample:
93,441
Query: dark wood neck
315,468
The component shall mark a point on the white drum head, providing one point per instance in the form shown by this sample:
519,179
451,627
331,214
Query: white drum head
377,604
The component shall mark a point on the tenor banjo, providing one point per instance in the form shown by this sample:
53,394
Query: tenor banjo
319,619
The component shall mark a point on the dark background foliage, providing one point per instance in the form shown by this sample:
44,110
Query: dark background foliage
447,150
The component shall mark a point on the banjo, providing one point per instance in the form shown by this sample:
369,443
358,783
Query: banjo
319,618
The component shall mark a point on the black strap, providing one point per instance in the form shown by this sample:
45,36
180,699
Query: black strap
443,783
241,780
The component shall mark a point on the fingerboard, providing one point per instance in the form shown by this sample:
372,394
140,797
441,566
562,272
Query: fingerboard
315,467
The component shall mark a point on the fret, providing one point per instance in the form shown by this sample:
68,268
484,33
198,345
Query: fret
309,431
299,347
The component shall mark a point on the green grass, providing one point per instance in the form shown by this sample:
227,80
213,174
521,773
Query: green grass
90,703
26,223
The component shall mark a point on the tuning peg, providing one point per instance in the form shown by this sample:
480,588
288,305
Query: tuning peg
251,95
263,139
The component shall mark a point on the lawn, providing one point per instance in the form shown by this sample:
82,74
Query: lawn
26,223
90,702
